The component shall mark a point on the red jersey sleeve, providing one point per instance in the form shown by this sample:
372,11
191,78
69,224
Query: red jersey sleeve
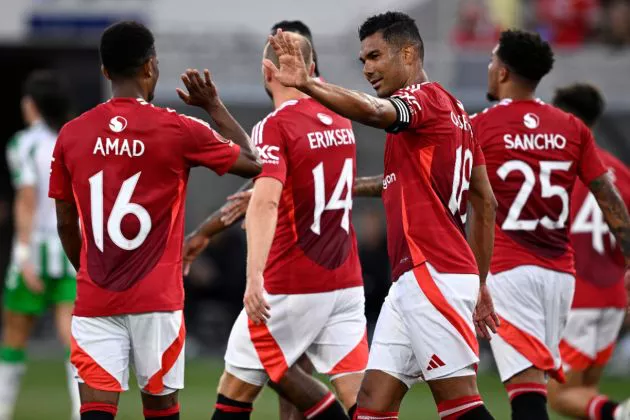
271,147
60,186
206,147
590,165
478,157
410,110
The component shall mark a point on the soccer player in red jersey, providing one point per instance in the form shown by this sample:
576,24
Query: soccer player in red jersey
600,300
121,170
433,168
303,268
534,154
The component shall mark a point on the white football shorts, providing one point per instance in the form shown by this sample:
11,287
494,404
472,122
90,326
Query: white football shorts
590,336
533,305
103,349
425,329
329,327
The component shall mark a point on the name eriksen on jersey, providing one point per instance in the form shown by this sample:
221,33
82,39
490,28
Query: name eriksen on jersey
536,141
118,147
330,138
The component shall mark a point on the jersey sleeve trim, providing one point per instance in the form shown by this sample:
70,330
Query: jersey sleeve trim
403,116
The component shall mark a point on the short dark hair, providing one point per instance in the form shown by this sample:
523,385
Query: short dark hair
298,27
50,96
526,54
125,47
396,27
582,100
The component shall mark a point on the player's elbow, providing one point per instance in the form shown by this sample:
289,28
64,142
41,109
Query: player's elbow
247,165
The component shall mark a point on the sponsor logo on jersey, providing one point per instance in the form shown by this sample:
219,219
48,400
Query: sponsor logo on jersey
326,119
388,180
118,124
330,138
267,153
531,120
536,141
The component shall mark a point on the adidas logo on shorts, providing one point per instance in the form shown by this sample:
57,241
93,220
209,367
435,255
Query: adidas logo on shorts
435,363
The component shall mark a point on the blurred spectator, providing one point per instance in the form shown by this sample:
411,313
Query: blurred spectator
566,23
474,27
616,28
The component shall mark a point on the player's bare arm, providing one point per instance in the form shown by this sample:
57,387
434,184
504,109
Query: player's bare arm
233,210
357,106
481,241
261,220
368,186
203,93
24,212
615,214
69,231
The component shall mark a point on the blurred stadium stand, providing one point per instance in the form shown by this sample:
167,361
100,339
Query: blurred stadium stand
459,35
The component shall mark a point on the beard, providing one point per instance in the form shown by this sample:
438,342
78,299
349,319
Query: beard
491,97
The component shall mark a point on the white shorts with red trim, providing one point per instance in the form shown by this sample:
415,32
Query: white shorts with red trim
533,305
425,329
589,337
103,348
330,328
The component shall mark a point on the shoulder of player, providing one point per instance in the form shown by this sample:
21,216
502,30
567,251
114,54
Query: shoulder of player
491,111
273,120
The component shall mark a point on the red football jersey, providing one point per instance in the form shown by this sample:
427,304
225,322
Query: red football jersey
534,153
312,152
599,263
426,180
125,164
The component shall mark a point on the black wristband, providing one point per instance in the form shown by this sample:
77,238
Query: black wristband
403,116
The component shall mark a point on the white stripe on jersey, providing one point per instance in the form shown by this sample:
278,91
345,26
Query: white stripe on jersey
257,131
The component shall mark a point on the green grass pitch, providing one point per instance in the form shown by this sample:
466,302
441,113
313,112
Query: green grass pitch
44,395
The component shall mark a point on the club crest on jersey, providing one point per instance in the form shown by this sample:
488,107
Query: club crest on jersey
117,124
326,119
531,120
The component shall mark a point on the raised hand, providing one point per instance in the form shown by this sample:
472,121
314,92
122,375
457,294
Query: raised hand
485,317
201,92
292,71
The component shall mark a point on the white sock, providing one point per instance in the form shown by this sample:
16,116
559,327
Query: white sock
10,380
73,388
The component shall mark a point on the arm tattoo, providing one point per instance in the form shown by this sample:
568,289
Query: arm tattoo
615,211
368,186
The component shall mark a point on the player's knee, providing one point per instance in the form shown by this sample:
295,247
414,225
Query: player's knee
242,386
160,402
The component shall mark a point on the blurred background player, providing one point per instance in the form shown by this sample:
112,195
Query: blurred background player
40,275
600,301
534,153
123,168
299,234
430,159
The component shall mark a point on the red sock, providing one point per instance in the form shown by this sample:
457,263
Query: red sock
167,413
453,409
601,408
364,414
518,389
321,406
97,410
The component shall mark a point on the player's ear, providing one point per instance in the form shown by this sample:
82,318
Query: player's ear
267,76
105,72
147,68
311,70
503,74
409,55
